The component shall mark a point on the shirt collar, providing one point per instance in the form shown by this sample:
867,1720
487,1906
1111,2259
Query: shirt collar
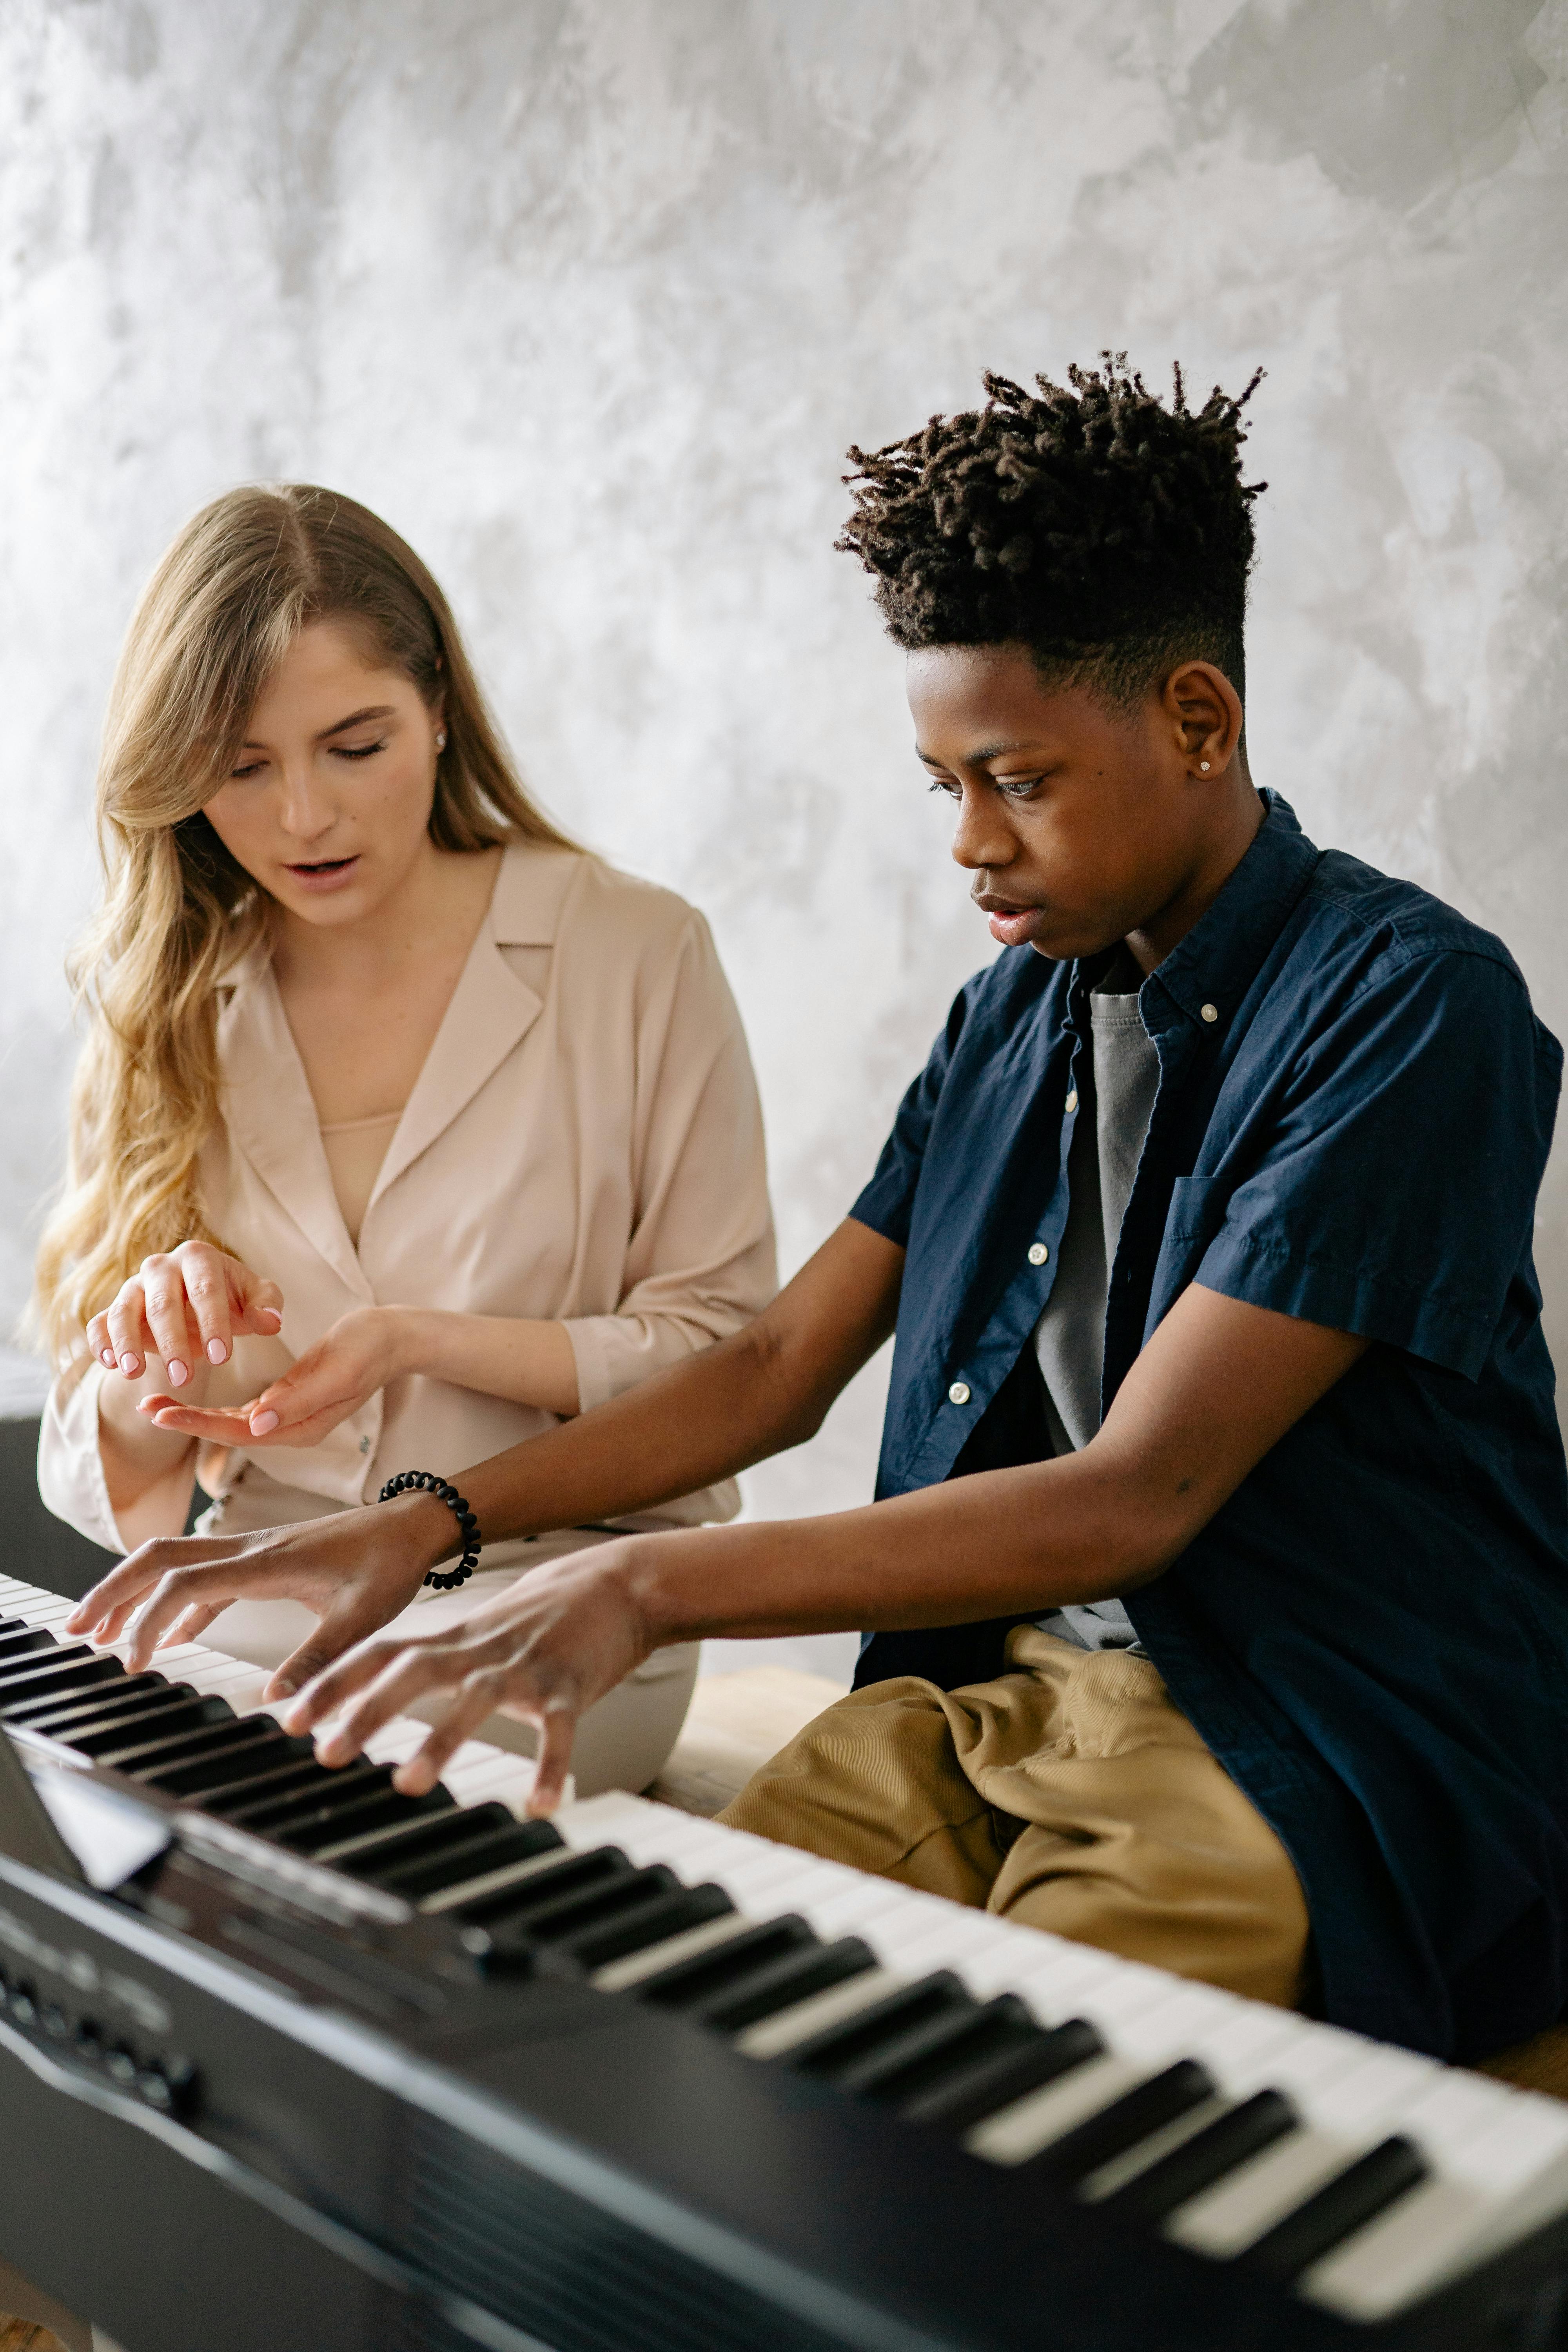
529,892
1219,957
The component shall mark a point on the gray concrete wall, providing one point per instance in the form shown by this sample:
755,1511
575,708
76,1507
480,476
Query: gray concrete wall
589,296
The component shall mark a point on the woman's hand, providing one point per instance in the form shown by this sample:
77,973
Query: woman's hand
543,1650
355,1569
347,1365
186,1306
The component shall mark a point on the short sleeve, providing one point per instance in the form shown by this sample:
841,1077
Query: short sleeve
1394,1196
888,1202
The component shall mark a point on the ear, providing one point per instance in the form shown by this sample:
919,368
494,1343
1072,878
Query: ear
1206,717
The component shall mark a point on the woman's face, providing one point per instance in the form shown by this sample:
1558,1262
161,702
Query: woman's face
328,805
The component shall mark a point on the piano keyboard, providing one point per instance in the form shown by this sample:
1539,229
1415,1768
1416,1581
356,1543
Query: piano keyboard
1360,2177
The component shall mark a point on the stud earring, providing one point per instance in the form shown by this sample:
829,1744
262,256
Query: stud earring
441,740
1203,764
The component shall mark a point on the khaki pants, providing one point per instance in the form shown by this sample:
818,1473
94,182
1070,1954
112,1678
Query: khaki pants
1068,1794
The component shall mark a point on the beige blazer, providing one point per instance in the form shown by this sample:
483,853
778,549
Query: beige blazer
583,1144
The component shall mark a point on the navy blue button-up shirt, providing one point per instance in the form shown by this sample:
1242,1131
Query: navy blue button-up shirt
1354,1108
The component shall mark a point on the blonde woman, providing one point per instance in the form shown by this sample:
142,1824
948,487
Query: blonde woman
406,1129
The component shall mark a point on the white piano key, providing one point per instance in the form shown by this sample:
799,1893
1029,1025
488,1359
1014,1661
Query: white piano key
1490,2185
395,1743
636,1827
1017,2132
1346,2108
483,1781
771,2037
1499,2155
872,1909
620,1975
1048,1972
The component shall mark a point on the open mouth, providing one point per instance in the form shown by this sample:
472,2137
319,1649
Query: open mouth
322,872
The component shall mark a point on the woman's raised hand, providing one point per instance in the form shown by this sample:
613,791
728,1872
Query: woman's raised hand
543,1650
347,1365
186,1306
355,1569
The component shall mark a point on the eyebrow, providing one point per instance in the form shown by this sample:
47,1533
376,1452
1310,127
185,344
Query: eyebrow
973,758
355,718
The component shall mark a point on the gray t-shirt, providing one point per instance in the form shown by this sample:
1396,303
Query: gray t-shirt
1116,1098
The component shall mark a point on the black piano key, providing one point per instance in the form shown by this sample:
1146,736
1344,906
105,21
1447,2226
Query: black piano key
139,1729
1147,2108
674,1914
280,1783
143,1752
840,2049
782,1983
82,1709
267,1815
411,1841
67,1670
583,1870
335,1818
941,2049
223,1769
1207,2158
567,1916
986,2080
41,1650
1343,2205
24,1641
685,1982
453,1859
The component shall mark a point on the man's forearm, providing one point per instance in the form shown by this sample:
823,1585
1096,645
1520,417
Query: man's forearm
1214,1388
1028,1539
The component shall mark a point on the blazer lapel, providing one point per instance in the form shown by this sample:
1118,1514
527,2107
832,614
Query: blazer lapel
272,1118
491,1009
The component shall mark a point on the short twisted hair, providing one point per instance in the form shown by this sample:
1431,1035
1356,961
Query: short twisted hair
1108,533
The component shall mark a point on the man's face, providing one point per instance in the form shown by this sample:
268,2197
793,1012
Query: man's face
1080,823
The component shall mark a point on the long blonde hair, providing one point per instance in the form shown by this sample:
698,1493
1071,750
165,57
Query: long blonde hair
240,582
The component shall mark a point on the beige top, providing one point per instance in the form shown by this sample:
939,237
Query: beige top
355,1149
583,1143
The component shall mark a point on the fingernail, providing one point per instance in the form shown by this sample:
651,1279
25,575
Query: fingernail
263,1423
130,1366
217,1353
272,1314
178,1374
282,1689
108,1357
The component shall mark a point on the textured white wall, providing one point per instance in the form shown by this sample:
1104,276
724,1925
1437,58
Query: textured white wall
589,296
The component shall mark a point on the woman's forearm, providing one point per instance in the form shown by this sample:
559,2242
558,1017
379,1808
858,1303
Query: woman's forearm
147,1470
725,1408
528,1362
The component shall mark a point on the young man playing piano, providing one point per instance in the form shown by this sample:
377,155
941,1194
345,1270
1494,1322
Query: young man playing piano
1218,1562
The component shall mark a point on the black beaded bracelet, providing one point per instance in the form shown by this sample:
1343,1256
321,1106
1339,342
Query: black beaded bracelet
426,1480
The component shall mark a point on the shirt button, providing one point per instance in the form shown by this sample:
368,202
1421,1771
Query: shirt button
959,1392
1038,1253
1072,1103
1209,1012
